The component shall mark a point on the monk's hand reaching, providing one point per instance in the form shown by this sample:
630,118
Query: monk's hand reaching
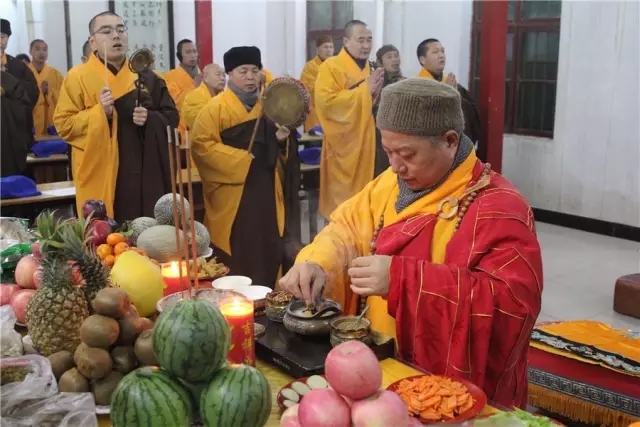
370,275
451,80
282,133
139,116
106,100
304,281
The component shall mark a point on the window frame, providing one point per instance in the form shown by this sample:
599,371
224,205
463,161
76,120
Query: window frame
334,32
518,27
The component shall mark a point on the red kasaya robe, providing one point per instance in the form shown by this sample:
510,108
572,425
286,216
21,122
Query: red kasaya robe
466,315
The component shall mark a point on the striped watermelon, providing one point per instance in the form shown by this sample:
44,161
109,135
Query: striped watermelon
238,396
191,340
149,396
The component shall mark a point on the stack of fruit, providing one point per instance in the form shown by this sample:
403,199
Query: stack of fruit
191,342
113,343
157,236
115,245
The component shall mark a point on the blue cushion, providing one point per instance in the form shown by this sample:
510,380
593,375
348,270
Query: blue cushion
17,186
49,148
316,131
51,130
310,156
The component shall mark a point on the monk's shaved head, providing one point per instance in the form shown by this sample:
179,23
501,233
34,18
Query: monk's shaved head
214,77
349,28
36,42
92,23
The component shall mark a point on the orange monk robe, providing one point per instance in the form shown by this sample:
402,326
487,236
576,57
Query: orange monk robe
461,302
427,75
96,142
46,105
349,145
251,199
193,103
180,83
268,76
308,78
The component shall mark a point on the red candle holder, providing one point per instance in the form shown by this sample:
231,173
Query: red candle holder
173,281
239,314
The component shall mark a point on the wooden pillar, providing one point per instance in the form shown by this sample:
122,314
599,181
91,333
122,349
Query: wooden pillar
204,31
493,60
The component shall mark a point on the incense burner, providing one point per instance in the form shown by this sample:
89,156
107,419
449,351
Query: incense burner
277,303
297,318
344,328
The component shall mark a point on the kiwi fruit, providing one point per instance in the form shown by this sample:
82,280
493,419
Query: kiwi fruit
124,359
112,302
99,331
144,324
73,381
82,347
128,330
61,362
94,363
144,349
103,388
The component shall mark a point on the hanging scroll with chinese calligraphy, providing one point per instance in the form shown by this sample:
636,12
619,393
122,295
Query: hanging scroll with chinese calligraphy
150,25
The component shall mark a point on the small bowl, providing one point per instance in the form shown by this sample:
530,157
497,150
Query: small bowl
257,294
342,330
213,296
231,282
277,303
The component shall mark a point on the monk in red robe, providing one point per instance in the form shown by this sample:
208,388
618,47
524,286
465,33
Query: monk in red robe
442,249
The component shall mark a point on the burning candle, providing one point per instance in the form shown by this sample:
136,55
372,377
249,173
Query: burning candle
239,314
171,278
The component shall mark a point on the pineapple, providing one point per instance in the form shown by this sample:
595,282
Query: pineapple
56,311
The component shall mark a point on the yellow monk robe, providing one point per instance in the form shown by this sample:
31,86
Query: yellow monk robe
379,198
246,195
268,76
180,83
308,77
427,75
349,145
193,103
46,105
96,160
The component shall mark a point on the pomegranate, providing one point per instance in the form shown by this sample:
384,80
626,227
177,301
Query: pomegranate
24,272
6,292
352,369
19,303
382,410
324,407
95,208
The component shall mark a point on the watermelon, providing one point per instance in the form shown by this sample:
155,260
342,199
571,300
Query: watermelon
191,339
238,396
150,396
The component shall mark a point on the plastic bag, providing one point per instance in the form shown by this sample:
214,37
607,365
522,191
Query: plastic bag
10,339
35,400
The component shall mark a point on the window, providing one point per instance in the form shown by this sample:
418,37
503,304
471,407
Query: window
532,64
327,18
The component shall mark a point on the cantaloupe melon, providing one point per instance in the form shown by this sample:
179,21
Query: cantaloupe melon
138,225
163,210
159,242
203,239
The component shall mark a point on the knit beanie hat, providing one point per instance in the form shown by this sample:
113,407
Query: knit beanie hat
419,106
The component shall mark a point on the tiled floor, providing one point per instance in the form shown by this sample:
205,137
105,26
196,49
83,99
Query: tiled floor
580,271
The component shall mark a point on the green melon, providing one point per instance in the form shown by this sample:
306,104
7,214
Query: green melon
191,340
159,242
163,210
138,225
203,239
237,396
150,396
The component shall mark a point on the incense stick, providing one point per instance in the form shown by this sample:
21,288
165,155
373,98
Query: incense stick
106,68
183,210
192,225
174,205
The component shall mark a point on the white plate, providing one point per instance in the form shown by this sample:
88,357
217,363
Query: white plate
102,410
254,293
207,254
231,282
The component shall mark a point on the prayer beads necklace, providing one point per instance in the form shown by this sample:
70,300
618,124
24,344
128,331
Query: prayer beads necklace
467,198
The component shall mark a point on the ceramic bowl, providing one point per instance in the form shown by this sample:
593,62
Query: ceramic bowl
257,294
231,282
213,296
344,329
294,321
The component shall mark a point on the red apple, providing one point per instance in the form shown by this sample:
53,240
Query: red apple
19,303
6,292
98,231
95,208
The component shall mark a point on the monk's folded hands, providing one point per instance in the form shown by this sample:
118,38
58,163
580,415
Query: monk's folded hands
370,275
